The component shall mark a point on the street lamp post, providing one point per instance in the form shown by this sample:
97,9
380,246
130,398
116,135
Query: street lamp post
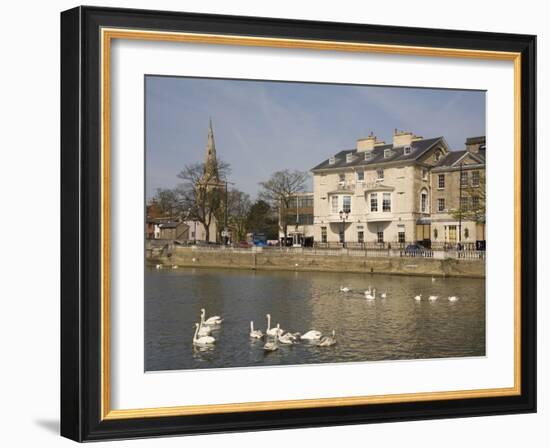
226,230
296,239
460,207
343,217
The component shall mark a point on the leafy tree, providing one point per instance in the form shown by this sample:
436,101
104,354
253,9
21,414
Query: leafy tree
262,219
474,196
279,191
202,192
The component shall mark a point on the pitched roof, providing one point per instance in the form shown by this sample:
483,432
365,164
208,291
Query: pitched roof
170,225
418,148
453,157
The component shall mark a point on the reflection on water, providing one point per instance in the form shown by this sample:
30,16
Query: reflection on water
397,327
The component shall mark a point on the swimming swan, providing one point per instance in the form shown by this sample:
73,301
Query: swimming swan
255,334
214,320
286,338
204,330
275,331
327,341
203,340
271,346
418,298
312,335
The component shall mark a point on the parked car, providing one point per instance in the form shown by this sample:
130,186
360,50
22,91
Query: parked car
415,249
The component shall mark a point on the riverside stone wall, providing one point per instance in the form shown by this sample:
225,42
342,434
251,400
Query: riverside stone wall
296,261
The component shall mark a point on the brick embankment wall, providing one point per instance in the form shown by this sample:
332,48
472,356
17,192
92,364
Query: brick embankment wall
274,260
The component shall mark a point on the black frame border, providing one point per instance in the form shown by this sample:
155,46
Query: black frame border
81,223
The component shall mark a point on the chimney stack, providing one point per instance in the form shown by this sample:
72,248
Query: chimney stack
403,138
475,144
368,143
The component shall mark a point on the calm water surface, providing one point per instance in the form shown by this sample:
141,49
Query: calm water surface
397,327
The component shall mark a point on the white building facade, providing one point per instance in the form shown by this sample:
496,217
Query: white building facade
377,192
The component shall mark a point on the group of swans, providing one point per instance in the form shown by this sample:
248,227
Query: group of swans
160,266
370,294
276,335
203,330
433,298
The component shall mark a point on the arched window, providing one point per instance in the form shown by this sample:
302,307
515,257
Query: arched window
424,202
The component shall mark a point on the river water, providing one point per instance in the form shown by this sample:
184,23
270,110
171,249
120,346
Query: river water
397,327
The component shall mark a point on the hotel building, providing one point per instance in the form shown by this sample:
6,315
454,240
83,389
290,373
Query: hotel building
389,193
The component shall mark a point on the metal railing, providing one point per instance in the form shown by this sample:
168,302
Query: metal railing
382,250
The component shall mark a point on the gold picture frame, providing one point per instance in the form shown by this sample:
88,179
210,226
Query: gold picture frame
106,32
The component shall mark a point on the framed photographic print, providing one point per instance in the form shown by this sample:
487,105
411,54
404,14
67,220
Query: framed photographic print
273,223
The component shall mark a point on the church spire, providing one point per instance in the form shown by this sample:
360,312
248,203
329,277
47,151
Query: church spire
211,161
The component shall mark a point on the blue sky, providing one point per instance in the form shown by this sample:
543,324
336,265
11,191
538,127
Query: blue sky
263,126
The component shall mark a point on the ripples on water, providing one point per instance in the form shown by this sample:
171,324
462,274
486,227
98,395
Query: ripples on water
397,327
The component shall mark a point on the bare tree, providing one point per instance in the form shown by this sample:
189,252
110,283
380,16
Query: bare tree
167,202
279,190
201,194
238,207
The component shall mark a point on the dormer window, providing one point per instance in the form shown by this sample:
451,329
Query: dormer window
368,155
349,158
387,153
332,160
407,150
437,156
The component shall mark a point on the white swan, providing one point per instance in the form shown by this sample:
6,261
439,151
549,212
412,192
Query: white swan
453,298
311,335
204,330
286,338
370,295
203,340
255,334
275,331
158,266
368,291
418,298
327,341
383,295
344,289
271,345
433,298
174,266
433,279
213,320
